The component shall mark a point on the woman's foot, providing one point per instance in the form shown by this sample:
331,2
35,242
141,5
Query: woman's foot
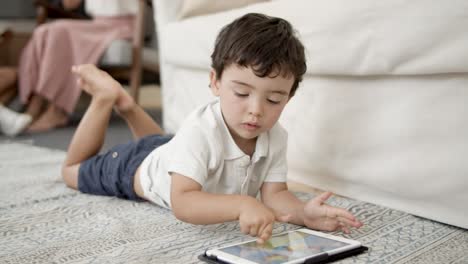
100,85
52,118
11,122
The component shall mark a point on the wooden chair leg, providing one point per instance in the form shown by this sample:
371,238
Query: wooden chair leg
137,45
135,75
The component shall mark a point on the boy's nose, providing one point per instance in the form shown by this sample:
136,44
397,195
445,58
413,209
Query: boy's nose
256,108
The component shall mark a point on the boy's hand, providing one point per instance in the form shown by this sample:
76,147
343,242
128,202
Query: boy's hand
320,216
257,220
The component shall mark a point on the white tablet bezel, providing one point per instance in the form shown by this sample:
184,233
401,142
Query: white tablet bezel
229,258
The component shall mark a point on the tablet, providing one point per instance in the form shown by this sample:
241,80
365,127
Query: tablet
286,248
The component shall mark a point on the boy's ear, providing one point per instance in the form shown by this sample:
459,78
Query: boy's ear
214,83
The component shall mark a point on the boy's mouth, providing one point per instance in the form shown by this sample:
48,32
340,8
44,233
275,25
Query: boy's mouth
251,125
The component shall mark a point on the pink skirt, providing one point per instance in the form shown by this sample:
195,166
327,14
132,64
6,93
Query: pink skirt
45,63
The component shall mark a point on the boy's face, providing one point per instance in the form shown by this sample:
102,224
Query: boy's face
250,104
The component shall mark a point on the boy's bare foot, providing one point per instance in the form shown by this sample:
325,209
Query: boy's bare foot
52,118
99,84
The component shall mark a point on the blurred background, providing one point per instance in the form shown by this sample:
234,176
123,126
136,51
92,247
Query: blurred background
19,19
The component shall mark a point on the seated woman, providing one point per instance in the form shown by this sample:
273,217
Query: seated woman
10,121
46,85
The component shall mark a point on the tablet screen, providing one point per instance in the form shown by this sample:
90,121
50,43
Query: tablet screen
283,248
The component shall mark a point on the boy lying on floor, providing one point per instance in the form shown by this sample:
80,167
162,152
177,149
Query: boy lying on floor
226,152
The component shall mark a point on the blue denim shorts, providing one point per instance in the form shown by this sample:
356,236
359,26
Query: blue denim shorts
112,172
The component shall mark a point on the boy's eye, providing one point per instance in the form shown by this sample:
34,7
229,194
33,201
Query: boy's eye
273,101
240,94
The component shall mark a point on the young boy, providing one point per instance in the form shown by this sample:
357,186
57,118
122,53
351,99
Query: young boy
226,152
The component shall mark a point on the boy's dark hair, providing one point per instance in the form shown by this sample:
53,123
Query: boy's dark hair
267,44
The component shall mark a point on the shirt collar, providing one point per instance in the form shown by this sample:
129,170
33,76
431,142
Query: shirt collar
231,150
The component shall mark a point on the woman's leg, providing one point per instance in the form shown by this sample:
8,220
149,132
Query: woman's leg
7,95
7,84
35,107
52,117
46,62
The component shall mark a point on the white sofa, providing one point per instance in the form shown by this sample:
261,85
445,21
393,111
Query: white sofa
382,113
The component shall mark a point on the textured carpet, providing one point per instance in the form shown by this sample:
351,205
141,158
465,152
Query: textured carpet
42,221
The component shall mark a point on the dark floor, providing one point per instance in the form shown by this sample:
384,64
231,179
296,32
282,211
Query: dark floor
60,138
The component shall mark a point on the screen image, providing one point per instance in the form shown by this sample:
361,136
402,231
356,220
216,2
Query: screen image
283,248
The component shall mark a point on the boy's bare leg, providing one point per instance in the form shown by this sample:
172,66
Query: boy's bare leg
90,133
89,136
140,123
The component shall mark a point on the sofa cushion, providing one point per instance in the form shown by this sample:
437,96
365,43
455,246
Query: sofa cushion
192,8
398,141
362,37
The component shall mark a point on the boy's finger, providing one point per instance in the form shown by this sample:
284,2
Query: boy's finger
245,229
346,222
253,230
340,212
344,227
284,218
345,230
262,229
323,197
263,239
266,232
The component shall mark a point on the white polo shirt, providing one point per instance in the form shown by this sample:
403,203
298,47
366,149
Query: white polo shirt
204,150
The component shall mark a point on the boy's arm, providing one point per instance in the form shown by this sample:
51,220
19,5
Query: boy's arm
276,196
191,204
315,213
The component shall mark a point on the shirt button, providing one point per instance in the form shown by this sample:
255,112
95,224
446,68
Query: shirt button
115,154
244,162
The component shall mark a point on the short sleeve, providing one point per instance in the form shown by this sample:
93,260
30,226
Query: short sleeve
191,154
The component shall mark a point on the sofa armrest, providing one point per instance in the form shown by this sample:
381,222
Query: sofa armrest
166,11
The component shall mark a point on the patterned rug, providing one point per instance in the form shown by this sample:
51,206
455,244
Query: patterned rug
42,221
